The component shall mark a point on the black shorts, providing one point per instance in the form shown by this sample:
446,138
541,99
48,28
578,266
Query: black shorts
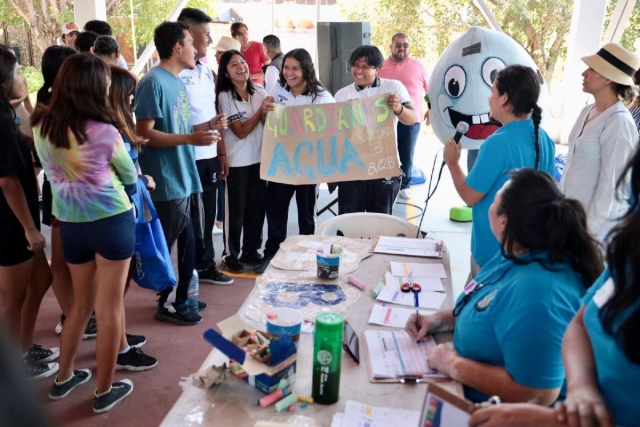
13,246
113,238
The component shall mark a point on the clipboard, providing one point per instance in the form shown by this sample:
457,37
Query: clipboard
441,247
372,379
442,408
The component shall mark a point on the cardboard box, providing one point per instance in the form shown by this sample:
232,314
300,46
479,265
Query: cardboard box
264,377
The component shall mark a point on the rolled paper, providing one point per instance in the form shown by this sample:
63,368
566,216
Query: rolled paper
355,282
307,399
286,402
271,398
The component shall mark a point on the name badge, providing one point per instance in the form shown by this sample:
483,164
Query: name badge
470,287
604,294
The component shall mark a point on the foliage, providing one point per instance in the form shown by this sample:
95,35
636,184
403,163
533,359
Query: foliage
33,77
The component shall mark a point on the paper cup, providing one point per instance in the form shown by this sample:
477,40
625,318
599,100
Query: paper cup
284,321
328,258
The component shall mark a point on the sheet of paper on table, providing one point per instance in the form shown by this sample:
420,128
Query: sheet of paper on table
409,247
394,317
418,270
358,414
392,354
426,299
427,283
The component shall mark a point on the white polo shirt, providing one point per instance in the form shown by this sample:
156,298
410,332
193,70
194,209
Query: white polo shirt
380,86
201,94
247,151
283,96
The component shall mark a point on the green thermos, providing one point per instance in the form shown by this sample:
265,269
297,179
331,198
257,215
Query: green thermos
327,357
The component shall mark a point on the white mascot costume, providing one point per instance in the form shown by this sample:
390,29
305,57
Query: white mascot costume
461,82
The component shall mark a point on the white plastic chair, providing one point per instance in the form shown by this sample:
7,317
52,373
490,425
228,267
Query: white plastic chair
365,225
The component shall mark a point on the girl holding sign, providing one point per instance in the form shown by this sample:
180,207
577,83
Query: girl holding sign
297,85
246,105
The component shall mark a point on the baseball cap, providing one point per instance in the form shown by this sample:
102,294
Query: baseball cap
70,27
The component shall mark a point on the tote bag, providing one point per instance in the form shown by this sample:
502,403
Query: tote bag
153,268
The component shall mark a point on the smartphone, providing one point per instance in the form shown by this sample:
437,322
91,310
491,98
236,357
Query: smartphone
351,343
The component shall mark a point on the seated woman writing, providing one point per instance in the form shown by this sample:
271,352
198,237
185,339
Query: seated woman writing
509,322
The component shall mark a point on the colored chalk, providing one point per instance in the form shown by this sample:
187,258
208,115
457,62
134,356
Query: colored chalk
286,402
355,282
291,408
376,291
284,383
304,405
306,399
271,398
286,393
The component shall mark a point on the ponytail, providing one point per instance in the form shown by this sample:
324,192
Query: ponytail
536,116
43,97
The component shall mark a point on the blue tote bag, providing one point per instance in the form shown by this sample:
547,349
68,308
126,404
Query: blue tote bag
153,269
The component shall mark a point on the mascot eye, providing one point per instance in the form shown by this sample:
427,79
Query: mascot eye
455,81
490,69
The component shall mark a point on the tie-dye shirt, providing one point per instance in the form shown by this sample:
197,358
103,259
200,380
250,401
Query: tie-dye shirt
88,181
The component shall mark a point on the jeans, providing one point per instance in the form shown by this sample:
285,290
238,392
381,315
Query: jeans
407,137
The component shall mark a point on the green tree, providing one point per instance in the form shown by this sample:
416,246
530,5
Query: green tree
632,32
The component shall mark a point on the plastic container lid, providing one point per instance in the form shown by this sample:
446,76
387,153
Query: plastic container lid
329,323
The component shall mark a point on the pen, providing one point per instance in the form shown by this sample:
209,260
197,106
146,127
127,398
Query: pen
416,301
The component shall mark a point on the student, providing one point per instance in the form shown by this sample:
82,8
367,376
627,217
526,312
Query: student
102,28
509,322
23,263
70,33
517,144
603,138
600,347
80,148
246,105
297,85
107,49
252,51
377,195
201,94
85,41
271,45
164,119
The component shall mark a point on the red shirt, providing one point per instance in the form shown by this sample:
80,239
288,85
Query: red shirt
255,57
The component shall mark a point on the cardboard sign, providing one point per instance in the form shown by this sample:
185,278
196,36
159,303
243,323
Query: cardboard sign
344,141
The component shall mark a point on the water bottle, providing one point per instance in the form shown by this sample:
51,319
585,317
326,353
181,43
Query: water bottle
327,357
193,292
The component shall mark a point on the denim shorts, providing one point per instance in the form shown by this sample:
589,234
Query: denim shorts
113,238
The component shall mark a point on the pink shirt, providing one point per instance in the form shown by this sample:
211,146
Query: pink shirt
255,57
413,75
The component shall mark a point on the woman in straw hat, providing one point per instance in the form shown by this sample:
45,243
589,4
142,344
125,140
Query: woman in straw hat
603,138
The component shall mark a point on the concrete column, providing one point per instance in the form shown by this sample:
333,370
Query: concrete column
87,10
587,25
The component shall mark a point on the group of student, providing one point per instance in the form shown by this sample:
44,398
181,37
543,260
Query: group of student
544,318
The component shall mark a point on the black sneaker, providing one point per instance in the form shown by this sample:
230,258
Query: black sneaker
118,392
215,277
135,360
234,266
180,315
60,391
42,355
90,332
136,341
251,258
262,266
202,306
36,370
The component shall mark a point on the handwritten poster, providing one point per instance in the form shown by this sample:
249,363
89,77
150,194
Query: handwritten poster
344,141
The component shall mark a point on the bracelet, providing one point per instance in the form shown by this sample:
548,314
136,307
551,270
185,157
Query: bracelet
397,114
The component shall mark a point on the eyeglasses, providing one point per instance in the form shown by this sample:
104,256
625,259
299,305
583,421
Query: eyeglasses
402,45
460,305
363,67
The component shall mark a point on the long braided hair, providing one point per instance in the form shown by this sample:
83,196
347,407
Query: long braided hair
522,86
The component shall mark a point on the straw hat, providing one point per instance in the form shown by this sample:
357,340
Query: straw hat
615,63
227,43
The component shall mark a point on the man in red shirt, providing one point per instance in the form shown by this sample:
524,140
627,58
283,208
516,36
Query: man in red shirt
253,52
413,75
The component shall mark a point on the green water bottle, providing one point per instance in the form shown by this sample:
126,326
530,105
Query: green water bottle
327,355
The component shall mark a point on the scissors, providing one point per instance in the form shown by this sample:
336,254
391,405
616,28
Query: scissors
411,286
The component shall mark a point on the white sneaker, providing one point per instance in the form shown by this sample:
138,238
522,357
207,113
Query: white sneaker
405,194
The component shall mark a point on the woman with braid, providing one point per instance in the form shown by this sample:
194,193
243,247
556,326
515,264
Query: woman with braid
519,143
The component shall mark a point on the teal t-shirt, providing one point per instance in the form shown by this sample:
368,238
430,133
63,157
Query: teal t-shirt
162,96
618,377
518,318
511,147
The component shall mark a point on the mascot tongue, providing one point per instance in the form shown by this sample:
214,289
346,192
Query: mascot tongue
481,131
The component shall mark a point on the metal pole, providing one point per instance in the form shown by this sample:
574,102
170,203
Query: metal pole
133,33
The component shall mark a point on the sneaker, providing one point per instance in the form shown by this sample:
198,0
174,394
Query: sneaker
262,266
405,194
135,360
251,258
36,370
90,332
118,392
136,341
60,391
180,315
202,306
234,266
42,355
215,277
